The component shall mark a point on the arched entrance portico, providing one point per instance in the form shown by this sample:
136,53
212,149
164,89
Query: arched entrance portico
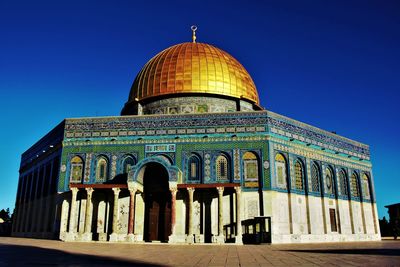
157,197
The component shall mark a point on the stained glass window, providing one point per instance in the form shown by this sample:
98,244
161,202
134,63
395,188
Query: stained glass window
76,169
366,191
329,181
101,169
315,178
127,164
250,166
280,170
222,167
343,183
354,185
298,169
194,168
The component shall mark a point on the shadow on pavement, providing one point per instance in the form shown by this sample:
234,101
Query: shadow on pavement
15,255
379,252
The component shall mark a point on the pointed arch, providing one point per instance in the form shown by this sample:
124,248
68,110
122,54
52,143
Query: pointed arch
251,169
354,187
315,177
365,186
222,167
128,162
344,191
298,175
102,168
194,167
281,171
76,170
329,181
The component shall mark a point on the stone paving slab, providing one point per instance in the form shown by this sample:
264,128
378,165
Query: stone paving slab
36,252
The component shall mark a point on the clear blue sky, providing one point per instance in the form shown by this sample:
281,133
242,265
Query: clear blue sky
332,64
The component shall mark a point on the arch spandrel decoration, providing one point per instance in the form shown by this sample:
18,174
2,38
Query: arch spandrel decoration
136,173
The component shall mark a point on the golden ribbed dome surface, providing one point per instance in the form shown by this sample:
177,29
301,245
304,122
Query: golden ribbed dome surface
193,68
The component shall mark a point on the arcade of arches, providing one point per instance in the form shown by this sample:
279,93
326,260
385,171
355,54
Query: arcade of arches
158,210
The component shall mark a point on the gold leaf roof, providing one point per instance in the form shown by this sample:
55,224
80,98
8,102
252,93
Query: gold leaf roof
189,68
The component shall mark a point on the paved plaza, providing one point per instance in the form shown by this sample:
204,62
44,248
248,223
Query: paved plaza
35,252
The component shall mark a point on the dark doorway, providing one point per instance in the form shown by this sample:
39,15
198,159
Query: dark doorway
157,219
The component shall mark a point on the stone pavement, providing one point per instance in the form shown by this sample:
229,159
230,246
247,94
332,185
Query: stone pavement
35,252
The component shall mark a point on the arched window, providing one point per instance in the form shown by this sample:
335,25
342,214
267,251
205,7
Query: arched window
280,170
194,168
329,186
365,186
343,183
250,167
102,169
222,167
76,174
299,175
127,164
315,178
354,186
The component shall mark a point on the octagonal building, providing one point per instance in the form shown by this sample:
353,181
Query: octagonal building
193,158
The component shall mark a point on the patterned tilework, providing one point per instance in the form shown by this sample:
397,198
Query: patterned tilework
232,133
87,167
236,164
187,104
213,148
281,125
218,123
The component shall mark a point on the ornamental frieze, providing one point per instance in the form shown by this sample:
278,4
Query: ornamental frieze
308,153
237,122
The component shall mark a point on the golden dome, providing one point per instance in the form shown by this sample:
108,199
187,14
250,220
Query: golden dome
189,68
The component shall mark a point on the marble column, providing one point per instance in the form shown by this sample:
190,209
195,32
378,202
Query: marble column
114,234
190,237
87,236
172,237
131,221
238,238
72,216
220,237
64,219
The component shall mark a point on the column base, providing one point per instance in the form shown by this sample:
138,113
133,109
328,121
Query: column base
177,239
86,237
114,237
199,238
239,240
103,237
190,239
219,239
70,237
131,238
62,236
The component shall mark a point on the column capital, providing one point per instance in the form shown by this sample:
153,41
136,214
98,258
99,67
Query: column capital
74,190
89,190
238,189
173,190
190,190
133,191
116,190
220,190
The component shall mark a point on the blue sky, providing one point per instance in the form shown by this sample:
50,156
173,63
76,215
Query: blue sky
332,64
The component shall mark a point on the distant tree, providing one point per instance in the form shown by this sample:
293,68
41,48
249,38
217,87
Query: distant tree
384,226
5,214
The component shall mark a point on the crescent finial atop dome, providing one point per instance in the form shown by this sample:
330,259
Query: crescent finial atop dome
194,29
